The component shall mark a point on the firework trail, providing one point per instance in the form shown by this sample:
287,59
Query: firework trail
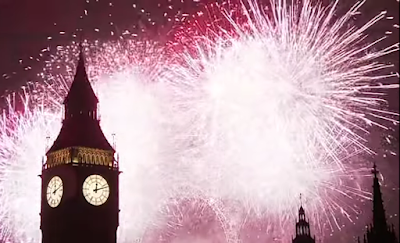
246,110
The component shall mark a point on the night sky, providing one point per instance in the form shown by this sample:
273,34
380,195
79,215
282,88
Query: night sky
27,27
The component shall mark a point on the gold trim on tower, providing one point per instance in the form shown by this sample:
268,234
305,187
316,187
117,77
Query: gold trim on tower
81,156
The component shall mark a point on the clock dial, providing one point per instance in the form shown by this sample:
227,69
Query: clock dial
54,191
96,190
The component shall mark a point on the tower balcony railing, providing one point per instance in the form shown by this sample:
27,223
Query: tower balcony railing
81,156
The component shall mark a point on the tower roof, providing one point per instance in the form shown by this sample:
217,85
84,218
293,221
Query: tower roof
379,218
301,210
81,90
303,232
81,126
85,135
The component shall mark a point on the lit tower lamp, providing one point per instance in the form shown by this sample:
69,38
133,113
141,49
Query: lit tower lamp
80,198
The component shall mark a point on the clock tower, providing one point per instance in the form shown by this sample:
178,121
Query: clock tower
79,200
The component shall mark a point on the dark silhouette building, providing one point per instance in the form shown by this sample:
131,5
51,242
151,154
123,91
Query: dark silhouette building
80,198
379,231
303,233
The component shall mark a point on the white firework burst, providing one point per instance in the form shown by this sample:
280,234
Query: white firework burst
279,102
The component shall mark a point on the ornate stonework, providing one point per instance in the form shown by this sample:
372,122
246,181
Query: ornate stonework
81,156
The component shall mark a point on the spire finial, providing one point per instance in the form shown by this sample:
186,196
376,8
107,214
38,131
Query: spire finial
114,144
301,200
80,46
301,209
81,59
375,171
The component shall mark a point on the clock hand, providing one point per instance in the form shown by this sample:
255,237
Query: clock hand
54,192
98,189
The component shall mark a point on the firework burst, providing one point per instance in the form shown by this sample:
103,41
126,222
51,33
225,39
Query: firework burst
280,100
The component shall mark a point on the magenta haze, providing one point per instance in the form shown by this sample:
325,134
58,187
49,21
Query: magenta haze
218,138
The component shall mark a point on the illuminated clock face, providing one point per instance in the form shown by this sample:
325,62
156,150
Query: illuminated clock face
96,190
54,191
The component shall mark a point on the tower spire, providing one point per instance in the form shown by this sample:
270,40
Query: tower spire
80,114
301,200
378,231
379,219
303,233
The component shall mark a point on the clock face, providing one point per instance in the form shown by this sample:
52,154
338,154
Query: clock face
96,190
54,191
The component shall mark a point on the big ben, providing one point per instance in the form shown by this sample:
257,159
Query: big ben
80,199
